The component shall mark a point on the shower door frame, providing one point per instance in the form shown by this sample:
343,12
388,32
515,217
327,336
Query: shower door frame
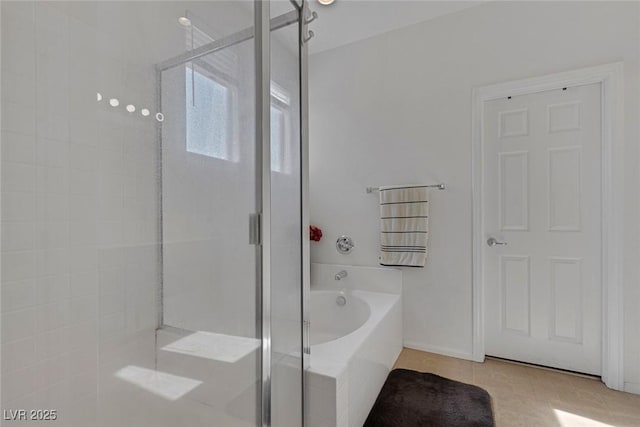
261,31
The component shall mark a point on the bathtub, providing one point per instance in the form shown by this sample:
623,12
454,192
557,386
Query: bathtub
355,337
335,314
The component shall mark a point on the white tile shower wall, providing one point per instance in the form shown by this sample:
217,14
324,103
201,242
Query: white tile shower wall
79,205
80,199
398,106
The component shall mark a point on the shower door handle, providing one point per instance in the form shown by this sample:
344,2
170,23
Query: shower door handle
306,346
255,229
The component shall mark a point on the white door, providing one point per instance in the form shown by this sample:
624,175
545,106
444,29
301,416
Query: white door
541,198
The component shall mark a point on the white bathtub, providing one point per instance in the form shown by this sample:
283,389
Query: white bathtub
353,346
331,320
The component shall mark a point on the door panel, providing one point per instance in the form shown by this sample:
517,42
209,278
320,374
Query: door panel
541,189
514,293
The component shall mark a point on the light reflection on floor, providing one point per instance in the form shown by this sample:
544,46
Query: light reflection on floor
168,386
567,419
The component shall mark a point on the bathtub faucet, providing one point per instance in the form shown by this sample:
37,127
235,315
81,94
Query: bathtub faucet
341,275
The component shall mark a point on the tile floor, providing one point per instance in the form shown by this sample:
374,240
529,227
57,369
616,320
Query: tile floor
529,396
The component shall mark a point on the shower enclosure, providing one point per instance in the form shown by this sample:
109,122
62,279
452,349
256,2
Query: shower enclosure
154,226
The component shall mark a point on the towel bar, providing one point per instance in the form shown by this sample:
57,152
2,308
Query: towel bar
438,186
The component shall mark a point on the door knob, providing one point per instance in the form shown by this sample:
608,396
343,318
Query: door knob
493,242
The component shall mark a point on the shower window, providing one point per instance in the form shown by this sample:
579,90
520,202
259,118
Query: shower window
210,91
209,115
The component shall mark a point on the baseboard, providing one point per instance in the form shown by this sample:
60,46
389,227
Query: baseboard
632,388
439,350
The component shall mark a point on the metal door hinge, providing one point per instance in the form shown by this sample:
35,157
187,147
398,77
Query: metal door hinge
255,231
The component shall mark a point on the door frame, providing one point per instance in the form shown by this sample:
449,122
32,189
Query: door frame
610,76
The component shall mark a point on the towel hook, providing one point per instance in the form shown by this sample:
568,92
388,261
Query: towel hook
309,37
311,18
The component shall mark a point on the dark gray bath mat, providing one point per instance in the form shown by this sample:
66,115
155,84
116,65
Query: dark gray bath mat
415,399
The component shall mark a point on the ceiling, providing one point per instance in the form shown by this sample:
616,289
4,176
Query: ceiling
347,21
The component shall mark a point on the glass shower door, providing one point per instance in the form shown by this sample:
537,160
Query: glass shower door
231,216
211,312
136,290
286,223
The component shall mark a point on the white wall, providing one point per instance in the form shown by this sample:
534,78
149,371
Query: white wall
396,108
79,218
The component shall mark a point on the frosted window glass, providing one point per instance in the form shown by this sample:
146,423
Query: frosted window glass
208,118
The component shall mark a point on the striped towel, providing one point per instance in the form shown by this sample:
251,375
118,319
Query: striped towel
404,213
